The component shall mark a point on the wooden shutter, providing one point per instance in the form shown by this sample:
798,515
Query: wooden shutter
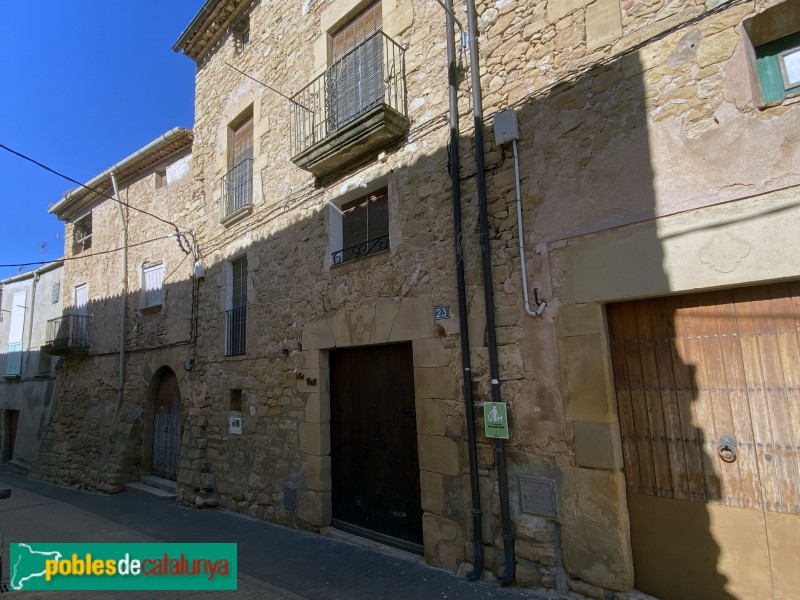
358,29
154,285
243,141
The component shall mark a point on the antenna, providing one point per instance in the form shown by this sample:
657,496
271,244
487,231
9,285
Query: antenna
42,248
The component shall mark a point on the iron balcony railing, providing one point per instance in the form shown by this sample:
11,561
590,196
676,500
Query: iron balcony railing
370,74
237,188
235,331
68,332
372,246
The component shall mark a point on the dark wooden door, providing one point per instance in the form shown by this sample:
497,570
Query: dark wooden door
13,420
167,427
375,467
708,389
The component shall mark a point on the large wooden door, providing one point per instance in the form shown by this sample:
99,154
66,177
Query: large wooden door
374,462
166,427
708,390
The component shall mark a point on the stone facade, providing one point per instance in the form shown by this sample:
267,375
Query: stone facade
648,166
27,387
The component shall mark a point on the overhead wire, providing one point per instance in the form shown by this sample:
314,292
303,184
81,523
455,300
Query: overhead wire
88,255
99,193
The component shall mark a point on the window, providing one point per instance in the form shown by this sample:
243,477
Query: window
237,184
15,334
153,286
241,31
236,315
779,68
355,84
160,178
56,292
82,234
773,37
45,362
362,227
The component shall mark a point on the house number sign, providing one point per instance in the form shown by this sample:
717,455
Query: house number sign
441,312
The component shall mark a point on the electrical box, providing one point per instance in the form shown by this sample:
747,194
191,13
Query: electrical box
235,423
505,126
538,496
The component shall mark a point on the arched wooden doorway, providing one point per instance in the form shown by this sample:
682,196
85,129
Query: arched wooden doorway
166,426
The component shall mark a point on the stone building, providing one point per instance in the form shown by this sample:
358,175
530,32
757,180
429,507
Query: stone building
129,314
28,302
649,381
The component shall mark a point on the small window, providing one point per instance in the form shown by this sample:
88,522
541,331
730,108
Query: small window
153,280
236,401
779,68
160,178
364,227
56,293
82,234
241,31
45,363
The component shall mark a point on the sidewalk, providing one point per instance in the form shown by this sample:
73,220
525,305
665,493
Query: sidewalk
275,563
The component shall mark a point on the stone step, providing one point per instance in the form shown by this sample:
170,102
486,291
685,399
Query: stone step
159,482
142,489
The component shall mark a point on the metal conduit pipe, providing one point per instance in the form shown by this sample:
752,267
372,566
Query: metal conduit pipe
124,293
469,408
483,214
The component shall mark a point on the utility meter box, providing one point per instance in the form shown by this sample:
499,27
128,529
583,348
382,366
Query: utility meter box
235,423
505,126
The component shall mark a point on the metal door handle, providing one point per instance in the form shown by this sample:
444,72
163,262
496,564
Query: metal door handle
727,449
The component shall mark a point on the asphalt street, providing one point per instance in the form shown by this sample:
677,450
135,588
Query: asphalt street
275,562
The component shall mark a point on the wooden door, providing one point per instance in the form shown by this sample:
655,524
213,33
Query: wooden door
13,422
166,427
374,462
708,391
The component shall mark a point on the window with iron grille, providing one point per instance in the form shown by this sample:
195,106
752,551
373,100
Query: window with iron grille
364,227
236,315
237,184
82,234
153,285
355,84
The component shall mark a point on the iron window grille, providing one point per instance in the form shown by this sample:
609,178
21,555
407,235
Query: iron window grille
237,188
365,227
236,316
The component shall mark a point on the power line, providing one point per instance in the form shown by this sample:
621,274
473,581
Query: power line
102,194
82,256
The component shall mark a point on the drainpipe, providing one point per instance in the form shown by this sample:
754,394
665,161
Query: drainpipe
469,407
483,213
124,293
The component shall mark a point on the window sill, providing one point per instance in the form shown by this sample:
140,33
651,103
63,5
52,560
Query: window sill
236,216
11,377
793,98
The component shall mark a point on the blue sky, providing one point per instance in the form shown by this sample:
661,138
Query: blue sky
85,84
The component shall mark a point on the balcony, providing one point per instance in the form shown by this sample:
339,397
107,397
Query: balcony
235,331
352,110
68,335
237,192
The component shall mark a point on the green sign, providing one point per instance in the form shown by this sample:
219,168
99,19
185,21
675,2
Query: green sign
495,420
123,566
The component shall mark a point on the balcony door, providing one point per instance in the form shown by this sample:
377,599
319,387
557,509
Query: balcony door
356,76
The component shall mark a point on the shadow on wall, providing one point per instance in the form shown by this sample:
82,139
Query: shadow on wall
587,171
585,164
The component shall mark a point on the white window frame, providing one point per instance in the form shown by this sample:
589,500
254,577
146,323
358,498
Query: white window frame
152,298
335,227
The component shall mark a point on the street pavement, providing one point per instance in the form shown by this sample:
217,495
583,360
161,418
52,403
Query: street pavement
275,563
